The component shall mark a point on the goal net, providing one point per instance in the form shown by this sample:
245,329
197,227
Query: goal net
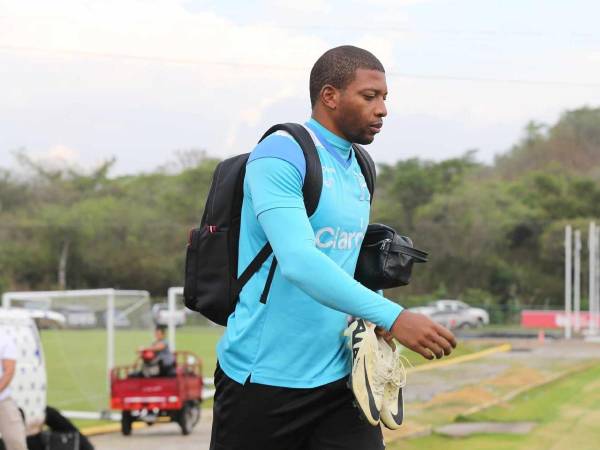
84,334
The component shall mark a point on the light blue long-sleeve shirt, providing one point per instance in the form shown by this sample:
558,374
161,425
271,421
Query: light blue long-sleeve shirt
295,338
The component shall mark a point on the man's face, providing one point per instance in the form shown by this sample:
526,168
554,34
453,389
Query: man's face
158,334
361,106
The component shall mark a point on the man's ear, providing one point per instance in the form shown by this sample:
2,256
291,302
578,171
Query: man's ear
329,96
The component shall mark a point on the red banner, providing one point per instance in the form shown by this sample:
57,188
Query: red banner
553,319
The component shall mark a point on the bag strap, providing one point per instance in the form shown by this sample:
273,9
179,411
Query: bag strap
254,265
313,178
311,191
418,255
367,166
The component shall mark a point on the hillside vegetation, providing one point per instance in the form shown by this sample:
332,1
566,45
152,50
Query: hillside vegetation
494,232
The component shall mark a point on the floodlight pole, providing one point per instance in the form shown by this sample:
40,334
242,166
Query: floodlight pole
577,281
110,333
592,328
568,279
597,280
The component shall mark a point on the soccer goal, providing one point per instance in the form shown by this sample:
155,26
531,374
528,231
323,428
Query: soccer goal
176,315
98,329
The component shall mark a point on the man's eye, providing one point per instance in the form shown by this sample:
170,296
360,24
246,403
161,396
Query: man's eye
369,97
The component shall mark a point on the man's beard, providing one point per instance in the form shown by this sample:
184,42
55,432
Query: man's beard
364,140
355,133
361,138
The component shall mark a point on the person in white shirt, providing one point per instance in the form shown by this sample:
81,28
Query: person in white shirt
12,427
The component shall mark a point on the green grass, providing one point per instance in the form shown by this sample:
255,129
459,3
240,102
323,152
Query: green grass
567,412
76,361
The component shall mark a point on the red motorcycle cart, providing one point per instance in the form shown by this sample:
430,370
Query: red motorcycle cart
148,398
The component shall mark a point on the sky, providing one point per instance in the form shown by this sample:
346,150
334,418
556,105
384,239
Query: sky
82,81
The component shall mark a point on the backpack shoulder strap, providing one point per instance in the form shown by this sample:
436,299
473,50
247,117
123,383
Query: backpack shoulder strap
367,166
311,190
313,179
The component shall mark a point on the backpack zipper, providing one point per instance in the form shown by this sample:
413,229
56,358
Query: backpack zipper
385,243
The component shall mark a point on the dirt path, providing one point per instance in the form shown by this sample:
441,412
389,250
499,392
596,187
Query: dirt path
165,436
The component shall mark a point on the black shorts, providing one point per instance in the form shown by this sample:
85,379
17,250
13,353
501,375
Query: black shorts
260,417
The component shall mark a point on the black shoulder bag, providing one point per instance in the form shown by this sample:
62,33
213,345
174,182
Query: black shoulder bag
386,258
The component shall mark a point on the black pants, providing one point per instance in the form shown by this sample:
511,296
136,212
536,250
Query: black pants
259,417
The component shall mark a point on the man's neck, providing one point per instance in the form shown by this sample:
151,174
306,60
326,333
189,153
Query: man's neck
326,121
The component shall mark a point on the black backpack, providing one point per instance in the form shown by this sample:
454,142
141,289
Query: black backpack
211,285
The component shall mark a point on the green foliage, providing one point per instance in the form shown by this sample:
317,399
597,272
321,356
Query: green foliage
573,143
494,233
410,184
127,232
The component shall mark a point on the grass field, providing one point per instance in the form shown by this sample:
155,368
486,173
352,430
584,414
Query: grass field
567,412
76,361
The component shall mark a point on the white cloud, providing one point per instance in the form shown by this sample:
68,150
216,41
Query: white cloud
304,6
158,29
252,115
61,153
177,95
197,63
380,46
57,156
397,2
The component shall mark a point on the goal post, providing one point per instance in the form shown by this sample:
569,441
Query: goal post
172,295
83,309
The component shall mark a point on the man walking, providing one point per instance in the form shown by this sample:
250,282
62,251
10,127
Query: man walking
281,379
12,427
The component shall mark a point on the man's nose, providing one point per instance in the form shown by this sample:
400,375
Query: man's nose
381,109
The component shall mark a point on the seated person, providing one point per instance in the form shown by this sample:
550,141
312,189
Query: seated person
163,357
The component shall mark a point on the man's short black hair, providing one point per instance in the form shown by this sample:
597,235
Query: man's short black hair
162,328
338,66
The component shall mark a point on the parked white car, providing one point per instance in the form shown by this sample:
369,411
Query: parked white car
160,314
454,314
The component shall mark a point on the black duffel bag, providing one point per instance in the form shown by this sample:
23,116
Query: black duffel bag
386,258
62,440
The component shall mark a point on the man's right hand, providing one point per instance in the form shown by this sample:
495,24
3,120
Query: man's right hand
422,335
